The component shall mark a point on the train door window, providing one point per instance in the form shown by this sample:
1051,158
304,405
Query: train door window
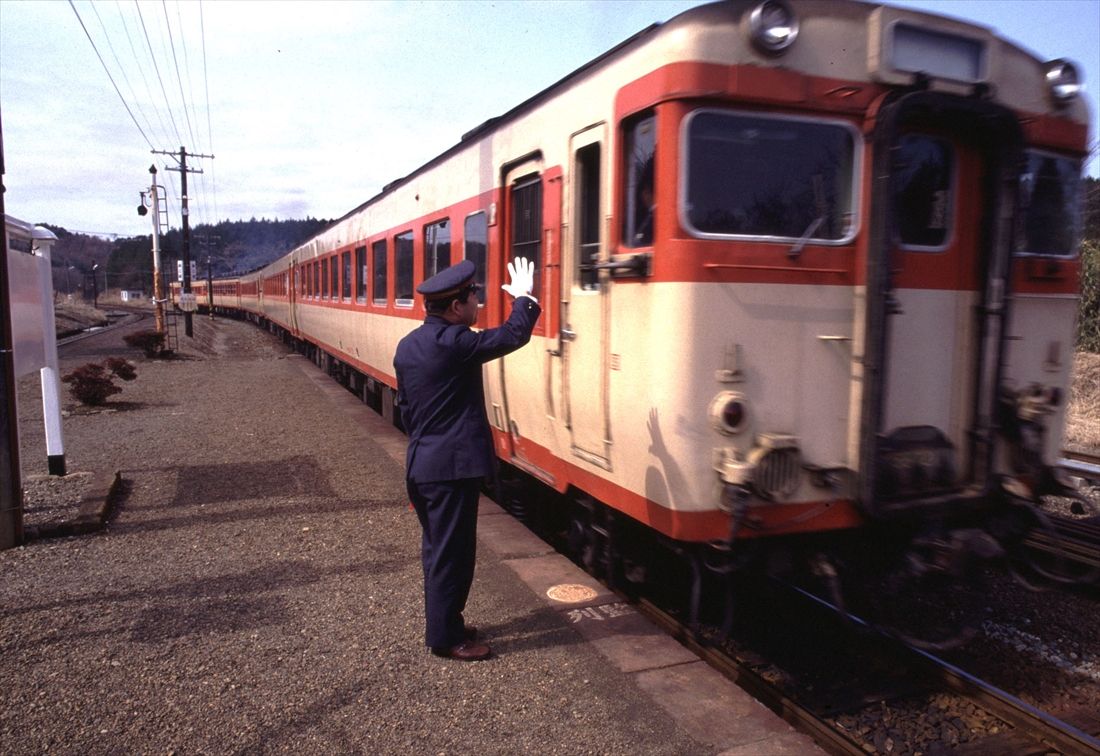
437,247
1051,202
403,264
378,280
588,216
527,221
324,279
334,281
639,151
475,240
924,168
345,276
361,274
779,178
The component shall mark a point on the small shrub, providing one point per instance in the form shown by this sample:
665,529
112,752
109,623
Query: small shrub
91,384
150,343
122,368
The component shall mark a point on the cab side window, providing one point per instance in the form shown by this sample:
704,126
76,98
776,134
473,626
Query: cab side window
640,149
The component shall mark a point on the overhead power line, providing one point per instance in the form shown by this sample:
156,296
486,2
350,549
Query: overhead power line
153,55
108,72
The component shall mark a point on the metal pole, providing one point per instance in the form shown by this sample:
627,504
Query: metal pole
158,280
11,481
188,325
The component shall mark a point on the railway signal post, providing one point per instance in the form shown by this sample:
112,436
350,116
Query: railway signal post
185,283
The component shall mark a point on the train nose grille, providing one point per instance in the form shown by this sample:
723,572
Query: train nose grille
777,473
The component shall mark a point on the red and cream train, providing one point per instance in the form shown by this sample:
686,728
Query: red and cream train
806,266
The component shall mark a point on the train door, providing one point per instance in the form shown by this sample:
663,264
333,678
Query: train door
521,236
584,327
939,282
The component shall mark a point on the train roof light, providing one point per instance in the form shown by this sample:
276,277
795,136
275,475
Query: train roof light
1064,81
773,26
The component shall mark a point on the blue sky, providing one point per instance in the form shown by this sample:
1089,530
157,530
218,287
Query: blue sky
313,106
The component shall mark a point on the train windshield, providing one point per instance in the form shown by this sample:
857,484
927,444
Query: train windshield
1050,198
772,177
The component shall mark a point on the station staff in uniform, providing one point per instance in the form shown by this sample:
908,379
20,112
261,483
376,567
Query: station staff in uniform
442,403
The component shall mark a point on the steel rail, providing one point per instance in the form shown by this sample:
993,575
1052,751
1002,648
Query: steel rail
826,735
1023,716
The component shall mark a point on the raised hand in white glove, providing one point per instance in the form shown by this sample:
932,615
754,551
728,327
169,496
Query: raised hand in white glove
522,272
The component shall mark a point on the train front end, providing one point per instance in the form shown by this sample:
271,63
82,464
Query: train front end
873,214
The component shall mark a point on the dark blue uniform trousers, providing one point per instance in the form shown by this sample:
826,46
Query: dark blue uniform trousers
448,517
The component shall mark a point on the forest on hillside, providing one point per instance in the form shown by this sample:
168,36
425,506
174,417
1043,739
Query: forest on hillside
221,249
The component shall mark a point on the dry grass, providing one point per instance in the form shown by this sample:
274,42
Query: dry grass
70,317
1083,412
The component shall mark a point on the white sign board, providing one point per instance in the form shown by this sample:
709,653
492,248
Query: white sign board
187,301
30,288
179,270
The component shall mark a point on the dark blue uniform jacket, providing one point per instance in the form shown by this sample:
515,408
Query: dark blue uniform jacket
441,396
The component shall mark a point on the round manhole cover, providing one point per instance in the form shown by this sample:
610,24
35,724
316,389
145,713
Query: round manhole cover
571,593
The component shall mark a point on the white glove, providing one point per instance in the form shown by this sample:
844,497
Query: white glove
522,272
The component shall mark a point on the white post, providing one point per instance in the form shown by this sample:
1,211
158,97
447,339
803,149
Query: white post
158,282
49,375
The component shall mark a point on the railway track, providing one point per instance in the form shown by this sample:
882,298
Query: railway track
1069,547
1028,730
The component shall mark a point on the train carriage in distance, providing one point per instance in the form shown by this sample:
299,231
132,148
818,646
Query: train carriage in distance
805,267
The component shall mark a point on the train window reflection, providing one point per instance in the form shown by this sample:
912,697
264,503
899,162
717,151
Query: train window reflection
345,265
378,280
640,151
437,248
1050,198
361,274
403,263
923,197
773,177
475,240
588,216
527,222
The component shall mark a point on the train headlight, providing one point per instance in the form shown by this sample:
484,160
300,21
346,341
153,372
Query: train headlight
1064,81
773,26
728,412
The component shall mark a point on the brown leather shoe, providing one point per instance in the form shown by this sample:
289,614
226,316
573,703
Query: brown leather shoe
465,651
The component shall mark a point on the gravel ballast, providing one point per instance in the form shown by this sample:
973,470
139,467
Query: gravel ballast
258,588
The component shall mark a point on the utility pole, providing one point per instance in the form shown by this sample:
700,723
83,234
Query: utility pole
187,303
205,243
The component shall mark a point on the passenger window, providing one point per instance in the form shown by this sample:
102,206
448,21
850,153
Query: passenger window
403,260
1050,199
361,274
324,279
475,241
334,270
437,247
345,265
378,281
640,153
588,216
923,199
